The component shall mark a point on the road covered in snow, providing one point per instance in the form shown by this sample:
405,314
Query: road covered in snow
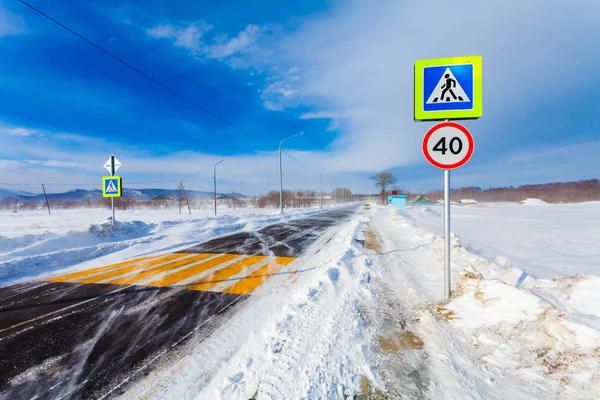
87,332
336,304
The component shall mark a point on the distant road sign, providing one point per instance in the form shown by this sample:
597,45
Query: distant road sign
108,166
448,145
111,186
448,88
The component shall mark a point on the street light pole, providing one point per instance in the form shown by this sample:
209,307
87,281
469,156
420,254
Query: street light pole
281,172
215,182
321,198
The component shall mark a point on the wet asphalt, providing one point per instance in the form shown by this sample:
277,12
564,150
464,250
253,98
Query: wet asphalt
79,341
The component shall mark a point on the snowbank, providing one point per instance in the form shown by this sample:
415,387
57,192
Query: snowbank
503,334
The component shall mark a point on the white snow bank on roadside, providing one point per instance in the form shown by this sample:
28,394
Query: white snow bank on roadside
503,334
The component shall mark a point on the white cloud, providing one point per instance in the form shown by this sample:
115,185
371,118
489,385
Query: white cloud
321,115
55,163
188,36
277,94
20,132
239,44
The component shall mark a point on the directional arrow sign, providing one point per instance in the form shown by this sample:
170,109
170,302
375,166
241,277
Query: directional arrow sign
108,166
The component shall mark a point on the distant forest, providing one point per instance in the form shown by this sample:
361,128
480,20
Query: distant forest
561,192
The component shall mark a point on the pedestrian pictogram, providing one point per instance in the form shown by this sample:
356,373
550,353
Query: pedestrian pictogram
111,189
448,88
111,186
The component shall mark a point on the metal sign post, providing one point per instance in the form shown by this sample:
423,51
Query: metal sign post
112,199
447,244
448,89
448,146
112,187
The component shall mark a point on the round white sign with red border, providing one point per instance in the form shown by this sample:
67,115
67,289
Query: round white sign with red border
448,145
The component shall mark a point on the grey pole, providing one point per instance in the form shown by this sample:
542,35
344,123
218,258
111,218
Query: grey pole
321,198
112,199
46,196
281,172
280,181
447,281
215,182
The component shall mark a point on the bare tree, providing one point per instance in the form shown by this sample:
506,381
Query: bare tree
382,181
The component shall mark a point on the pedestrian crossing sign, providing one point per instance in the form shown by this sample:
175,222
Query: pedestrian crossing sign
447,88
111,186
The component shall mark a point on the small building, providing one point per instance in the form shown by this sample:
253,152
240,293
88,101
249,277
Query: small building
467,202
422,201
398,201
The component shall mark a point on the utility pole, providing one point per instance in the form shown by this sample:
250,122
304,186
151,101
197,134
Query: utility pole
186,198
46,196
180,185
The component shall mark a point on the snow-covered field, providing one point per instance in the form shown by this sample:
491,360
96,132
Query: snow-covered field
33,243
542,239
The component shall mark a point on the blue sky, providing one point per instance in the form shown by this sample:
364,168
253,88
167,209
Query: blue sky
341,71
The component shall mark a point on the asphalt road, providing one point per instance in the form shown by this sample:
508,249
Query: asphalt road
89,334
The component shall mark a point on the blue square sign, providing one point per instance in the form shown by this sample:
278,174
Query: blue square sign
111,186
448,87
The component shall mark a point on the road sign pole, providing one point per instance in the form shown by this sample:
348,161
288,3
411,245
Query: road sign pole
447,233
112,199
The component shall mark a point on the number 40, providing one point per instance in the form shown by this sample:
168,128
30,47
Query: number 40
441,145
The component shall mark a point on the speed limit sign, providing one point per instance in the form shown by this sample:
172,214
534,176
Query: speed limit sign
448,145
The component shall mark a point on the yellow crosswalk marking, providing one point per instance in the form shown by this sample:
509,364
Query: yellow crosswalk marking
225,273
156,270
193,270
173,268
123,271
255,279
80,274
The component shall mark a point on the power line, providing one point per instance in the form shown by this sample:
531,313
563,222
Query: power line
162,85
172,91
290,156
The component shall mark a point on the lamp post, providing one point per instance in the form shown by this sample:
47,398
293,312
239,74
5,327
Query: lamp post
215,182
281,172
321,197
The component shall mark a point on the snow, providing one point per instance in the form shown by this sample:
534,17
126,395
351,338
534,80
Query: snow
301,335
34,243
544,241
533,202
362,311
503,334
